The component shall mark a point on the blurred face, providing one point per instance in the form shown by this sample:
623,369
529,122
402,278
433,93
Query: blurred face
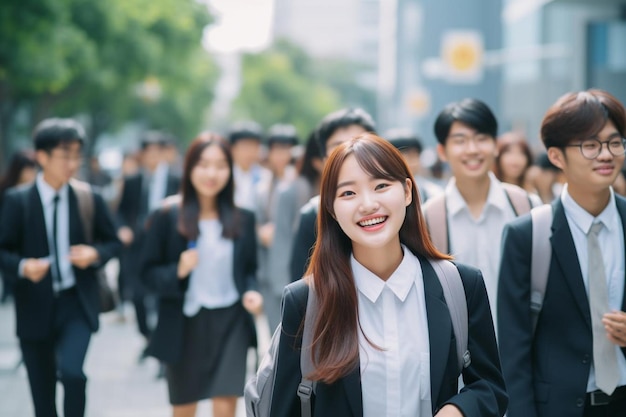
28,174
412,157
210,175
589,175
246,153
370,211
61,163
151,156
513,162
470,154
279,156
342,135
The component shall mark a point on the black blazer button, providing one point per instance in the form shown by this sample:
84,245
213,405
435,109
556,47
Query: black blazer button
586,359
580,402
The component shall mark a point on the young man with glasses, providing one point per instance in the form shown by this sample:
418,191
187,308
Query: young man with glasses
467,220
45,252
572,361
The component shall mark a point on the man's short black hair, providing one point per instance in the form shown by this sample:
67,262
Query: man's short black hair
404,139
282,133
471,112
245,130
341,119
52,132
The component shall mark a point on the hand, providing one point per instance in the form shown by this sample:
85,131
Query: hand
615,325
266,234
187,262
449,410
253,302
83,256
126,235
35,269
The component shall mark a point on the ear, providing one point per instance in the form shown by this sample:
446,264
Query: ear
557,157
441,152
42,158
408,195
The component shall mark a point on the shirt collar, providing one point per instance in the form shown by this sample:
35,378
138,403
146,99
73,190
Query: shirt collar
497,196
46,191
581,217
400,281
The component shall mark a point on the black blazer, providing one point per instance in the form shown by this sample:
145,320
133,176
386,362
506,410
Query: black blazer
23,235
483,395
546,374
159,264
304,241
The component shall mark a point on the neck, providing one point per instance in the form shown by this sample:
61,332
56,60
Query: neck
594,202
475,192
208,208
52,183
382,262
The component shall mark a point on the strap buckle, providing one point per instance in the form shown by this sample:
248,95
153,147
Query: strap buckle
599,398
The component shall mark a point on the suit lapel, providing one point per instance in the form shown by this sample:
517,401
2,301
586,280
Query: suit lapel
565,252
37,221
439,328
76,227
621,209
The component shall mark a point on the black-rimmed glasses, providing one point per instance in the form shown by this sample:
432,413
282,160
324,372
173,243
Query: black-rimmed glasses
592,148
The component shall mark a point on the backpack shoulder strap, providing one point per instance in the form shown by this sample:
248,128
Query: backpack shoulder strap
454,293
84,195
437,222
307,386
518,198
540,258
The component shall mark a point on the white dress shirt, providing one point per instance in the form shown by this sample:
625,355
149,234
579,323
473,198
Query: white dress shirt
395,381
211,283
47,193
246,183
611,239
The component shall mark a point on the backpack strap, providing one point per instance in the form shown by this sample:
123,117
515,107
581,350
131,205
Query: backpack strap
518,199
85,198
307,386
437,222
540,258
454,293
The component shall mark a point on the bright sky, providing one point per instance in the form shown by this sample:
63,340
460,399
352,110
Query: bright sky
240,25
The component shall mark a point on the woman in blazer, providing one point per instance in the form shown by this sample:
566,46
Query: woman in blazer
200,258
383,343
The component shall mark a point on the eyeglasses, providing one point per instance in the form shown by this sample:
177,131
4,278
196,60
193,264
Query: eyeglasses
68,157
592,148
480,140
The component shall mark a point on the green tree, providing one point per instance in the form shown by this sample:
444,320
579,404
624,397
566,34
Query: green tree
69,57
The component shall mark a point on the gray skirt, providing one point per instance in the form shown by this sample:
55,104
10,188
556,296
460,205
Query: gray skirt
213,362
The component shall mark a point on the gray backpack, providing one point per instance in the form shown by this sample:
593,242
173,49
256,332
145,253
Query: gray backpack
259,389
540,258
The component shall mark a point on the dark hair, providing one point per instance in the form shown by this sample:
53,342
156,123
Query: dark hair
581,115
190,210
544,162
50,133
157,137
506,142
311,151
282,133
245,130
335,349
342,119
19,161
471,112
404,139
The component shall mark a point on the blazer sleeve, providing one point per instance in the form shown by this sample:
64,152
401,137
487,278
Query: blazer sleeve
303,244
159,260
250,252
514,317
285,401
484,393
11,221
105,237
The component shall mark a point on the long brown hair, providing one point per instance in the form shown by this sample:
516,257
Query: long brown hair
335,348
190,207
505,143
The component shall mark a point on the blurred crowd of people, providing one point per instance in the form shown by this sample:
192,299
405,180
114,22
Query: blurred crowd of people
208,240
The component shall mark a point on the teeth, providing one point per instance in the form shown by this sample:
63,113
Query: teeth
372,222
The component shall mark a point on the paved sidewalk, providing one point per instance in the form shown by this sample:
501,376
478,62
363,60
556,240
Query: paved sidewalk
118,386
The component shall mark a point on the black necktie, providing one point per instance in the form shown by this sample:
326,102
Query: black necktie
55,245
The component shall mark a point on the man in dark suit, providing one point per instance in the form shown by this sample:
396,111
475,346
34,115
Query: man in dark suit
573,363
334,129
142,193
44,251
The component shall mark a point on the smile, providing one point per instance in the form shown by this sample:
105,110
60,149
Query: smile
372,222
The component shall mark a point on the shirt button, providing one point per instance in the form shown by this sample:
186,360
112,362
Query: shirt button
580,402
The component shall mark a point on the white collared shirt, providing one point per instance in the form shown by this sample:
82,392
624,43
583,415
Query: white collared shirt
157,186
392,314
47,193
476,242
611,239
211,283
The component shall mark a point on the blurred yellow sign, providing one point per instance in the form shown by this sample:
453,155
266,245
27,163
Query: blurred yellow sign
462,54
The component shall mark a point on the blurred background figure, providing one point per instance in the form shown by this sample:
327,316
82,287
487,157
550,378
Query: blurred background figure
245,141
513,160
22,169
411,148
546,178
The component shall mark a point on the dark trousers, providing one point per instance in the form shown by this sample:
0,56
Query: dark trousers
616,408
60,356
